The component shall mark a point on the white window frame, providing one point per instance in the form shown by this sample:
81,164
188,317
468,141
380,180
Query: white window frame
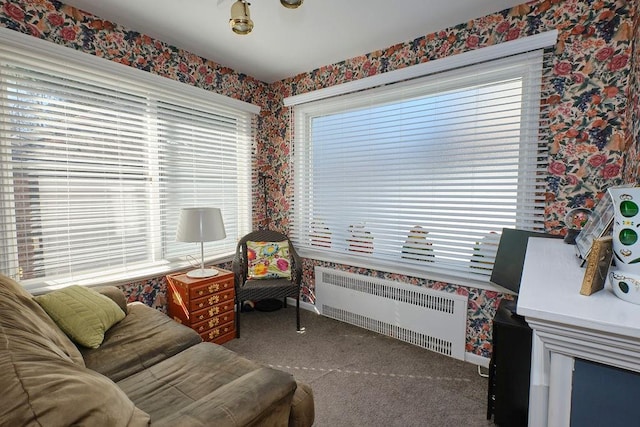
308,105
12,42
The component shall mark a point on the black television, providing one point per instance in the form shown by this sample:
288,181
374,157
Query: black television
507,268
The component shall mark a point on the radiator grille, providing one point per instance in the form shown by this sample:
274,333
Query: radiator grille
391,291
434,320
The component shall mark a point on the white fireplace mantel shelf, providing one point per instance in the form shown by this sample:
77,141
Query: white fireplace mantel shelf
566,325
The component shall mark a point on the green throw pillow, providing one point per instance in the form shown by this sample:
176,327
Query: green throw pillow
83,314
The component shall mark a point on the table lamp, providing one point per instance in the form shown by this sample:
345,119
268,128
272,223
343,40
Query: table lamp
200,225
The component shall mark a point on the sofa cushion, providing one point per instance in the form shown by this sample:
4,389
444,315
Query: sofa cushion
208,384
83,314
23,321
41,389
143,338
115,294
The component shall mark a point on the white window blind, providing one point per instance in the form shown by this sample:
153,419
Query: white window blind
420,177
96,162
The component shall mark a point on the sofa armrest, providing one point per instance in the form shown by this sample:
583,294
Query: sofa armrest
302,407
114,293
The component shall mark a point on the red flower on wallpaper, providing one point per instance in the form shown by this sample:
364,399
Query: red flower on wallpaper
572,180
577,29
610,171
503,27
557,168
604,53
34,30
14,11
472,41
578,78
572,133
611,91
618,62
55,19
68,33
597,160
513,34
562,68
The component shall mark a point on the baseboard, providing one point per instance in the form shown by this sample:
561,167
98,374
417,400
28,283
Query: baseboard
303,305
477,360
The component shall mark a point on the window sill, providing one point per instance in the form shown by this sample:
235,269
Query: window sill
116,278
391,267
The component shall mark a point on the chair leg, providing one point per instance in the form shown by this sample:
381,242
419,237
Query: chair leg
238,310
284,302
298,313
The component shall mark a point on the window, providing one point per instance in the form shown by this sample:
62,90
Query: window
97,160
420,177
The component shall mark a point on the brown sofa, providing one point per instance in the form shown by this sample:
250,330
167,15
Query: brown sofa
148,370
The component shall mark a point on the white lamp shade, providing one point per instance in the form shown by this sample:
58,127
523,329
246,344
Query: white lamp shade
200,225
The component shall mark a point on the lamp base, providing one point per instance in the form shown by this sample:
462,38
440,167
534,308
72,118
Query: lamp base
202,273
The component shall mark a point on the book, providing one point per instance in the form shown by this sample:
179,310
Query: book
598,262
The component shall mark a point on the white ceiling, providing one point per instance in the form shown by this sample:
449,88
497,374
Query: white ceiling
286,42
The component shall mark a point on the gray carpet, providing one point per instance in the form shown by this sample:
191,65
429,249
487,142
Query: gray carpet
361,378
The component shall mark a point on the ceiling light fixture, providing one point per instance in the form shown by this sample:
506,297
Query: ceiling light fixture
241,22
291,4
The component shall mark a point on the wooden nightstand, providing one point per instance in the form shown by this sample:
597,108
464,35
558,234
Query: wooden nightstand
205,305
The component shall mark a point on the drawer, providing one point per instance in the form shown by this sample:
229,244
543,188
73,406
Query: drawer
213,322
199,291
211,300
224,338
218,332
208,313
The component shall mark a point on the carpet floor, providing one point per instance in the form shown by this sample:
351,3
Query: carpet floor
361,378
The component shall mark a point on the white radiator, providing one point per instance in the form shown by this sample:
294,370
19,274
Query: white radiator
434,320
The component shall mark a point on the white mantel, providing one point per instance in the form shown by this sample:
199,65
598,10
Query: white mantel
566,325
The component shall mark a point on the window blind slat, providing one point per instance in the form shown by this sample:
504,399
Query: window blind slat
426,173
97,162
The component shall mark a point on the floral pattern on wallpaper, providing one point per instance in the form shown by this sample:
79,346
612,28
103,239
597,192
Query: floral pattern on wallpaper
152,292
632,159
590,80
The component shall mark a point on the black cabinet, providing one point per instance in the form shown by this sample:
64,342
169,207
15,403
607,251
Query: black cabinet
510,368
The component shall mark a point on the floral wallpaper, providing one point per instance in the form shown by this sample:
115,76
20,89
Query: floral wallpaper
590,119
632,158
